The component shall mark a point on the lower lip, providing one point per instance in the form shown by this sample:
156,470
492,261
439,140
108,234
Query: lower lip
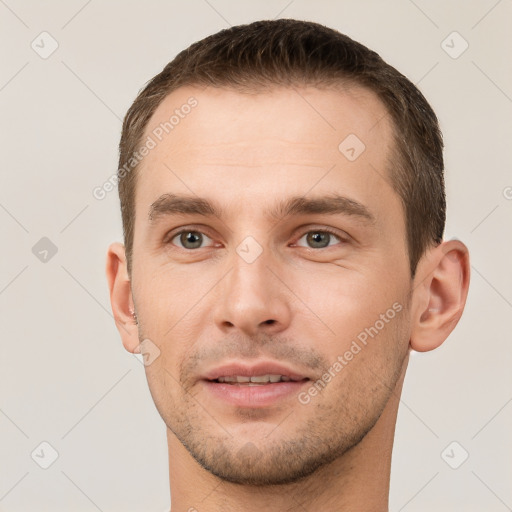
263,395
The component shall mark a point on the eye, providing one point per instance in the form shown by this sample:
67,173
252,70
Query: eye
189,239
319,238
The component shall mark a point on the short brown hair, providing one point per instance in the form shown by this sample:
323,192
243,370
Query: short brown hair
289,52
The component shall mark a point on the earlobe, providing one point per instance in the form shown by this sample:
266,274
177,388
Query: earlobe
121,296
440,294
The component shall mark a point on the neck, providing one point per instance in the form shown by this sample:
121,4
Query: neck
359,480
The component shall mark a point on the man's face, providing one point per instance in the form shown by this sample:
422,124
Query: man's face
254,293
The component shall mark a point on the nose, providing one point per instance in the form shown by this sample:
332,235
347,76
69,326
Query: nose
251,299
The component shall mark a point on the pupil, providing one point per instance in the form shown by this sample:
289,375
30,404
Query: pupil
318,238
193,238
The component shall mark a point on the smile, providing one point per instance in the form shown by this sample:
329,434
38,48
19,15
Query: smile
255,380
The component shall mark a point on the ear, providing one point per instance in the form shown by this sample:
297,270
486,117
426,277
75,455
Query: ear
439,294
121,296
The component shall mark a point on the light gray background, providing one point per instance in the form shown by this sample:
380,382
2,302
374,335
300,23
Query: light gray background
65,377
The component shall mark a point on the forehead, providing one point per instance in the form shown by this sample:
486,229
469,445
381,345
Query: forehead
319,118
250,145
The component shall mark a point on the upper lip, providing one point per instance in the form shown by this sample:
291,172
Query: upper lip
251,370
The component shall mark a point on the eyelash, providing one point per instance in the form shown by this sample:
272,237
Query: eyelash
343,240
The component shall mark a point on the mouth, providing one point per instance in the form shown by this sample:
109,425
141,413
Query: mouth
257,380
256,386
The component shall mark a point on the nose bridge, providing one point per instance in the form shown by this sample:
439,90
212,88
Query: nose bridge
250,264
251,297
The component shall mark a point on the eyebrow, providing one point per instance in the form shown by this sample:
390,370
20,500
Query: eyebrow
333,204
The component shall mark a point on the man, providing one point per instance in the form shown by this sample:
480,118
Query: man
283,207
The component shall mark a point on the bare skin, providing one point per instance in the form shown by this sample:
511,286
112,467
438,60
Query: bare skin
303,302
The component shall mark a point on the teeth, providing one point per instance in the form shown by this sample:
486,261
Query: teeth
260,378
254,380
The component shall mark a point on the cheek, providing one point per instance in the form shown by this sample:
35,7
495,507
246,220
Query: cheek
165,293
347,300
171,309
365,314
